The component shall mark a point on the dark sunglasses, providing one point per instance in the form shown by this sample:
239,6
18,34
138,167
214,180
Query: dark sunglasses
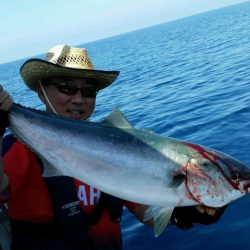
69,89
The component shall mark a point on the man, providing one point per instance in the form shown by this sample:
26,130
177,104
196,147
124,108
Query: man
45,213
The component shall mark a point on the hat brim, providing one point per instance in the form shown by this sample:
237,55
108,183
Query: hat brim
33,70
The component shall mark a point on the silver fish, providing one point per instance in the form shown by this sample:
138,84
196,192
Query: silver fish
133,164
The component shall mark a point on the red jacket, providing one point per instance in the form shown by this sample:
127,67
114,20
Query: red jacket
30,199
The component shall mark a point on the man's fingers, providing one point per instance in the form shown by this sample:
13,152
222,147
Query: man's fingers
200,209
211,211
6,101
208,210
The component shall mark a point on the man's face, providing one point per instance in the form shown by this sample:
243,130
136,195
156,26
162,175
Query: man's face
70,97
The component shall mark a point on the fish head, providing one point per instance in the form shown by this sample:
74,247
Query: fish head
215,179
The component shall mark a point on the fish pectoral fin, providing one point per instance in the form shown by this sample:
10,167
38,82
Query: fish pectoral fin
161,217
116,119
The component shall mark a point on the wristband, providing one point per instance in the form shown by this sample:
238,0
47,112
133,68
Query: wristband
4,121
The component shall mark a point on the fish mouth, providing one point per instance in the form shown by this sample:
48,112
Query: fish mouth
237,173
244,185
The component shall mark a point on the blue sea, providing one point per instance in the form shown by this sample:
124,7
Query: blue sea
188,79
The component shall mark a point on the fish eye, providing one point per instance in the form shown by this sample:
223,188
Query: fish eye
194,162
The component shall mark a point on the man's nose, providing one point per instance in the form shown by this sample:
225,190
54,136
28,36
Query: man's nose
78,97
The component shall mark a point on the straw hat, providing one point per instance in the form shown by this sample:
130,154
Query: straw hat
63,60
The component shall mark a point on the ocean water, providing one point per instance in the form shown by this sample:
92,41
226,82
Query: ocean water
188,79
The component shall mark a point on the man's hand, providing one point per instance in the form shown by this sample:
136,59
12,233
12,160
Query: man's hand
186,217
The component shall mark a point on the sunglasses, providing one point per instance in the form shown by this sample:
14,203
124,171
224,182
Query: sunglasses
69,89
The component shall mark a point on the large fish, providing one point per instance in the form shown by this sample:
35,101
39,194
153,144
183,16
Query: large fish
132,164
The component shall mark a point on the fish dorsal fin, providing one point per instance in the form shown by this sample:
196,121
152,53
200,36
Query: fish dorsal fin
116,119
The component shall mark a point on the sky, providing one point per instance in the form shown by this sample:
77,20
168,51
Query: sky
30,27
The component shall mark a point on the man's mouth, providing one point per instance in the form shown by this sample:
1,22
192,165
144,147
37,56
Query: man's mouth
76,114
